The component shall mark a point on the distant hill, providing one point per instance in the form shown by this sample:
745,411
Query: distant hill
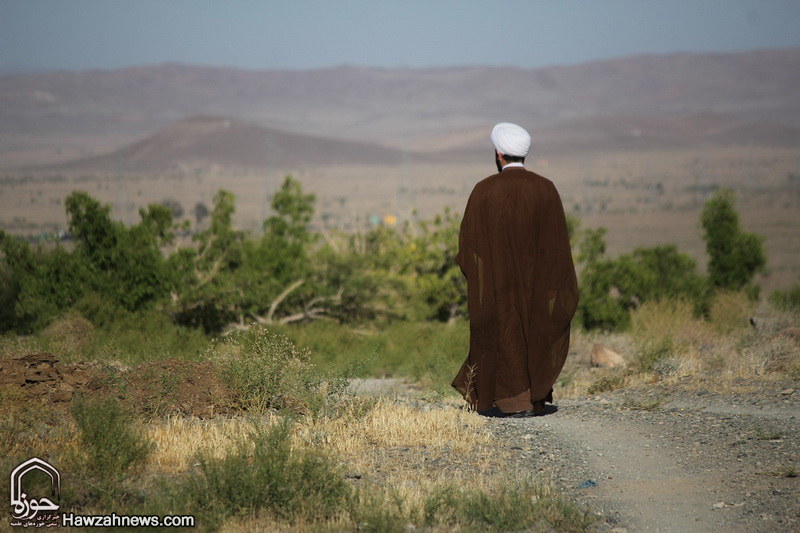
631,103
203,141
424,109
638,132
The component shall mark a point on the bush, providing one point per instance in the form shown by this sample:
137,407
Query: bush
658,356
266,370
112,444
611,289
266,473
788,300
731,311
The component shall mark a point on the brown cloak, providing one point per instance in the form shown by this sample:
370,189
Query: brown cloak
521,288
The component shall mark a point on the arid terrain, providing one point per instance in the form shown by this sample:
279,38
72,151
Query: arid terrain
636,144
685,450
679,456
643,197
694,429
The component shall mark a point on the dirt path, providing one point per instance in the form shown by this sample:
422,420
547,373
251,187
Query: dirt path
635,478
674,465
668,458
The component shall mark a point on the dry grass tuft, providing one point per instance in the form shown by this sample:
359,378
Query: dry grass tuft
668,318
667,342
392,424
178,440
731,311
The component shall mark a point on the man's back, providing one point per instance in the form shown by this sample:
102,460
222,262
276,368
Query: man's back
521,288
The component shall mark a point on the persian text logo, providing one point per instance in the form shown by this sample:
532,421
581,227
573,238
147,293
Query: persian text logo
24,509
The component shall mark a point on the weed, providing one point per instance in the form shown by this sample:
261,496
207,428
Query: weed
771,355
606,384
657,320
267,371
514,504
70,336
264,472
112,445
730,311
642,405
788,300
656,356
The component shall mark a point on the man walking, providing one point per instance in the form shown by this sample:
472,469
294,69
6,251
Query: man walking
521,287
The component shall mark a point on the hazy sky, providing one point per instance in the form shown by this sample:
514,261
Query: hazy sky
303,34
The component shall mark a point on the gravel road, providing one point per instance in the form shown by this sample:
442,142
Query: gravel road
672,459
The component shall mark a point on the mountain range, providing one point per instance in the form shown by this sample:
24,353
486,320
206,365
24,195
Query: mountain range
166,115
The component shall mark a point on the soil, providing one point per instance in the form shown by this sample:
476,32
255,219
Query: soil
668,457
673,457
677,456
151,389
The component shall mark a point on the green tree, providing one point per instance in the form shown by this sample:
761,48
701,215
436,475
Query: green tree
233,278
734,255
40,283
611,288
397,273
286,233
125,264
207,291
597,307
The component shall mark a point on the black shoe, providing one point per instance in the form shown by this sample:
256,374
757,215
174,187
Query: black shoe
495,412
525,414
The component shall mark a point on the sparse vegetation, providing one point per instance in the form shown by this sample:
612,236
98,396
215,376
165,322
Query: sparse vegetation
267,371
264,471
296,449
788,300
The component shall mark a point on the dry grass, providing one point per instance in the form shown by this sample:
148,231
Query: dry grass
71,335
178,440
731,311
387,424
391,424
668,343
406,456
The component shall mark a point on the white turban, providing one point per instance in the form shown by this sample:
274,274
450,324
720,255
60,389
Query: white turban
510,139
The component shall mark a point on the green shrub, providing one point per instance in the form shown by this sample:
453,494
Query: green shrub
611,289
788,300
264,472
266,370
112,444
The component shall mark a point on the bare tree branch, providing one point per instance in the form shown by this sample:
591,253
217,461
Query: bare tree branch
281,297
